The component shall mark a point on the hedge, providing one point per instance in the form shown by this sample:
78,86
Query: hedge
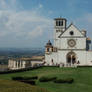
28,80
68,80
17,78
46,79
24,78
32,82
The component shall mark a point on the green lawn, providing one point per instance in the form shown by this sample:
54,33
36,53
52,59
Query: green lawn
14,86
82,78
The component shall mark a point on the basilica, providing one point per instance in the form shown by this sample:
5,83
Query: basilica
71,46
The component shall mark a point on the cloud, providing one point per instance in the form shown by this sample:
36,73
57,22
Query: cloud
20,25
8,4
40,6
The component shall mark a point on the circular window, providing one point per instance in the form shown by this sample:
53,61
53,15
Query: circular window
71,43
71,33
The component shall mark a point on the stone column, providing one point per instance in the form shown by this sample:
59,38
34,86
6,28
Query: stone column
17,64
14,66
20,64
71,60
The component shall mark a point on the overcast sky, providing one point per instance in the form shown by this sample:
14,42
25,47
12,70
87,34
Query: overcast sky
29,23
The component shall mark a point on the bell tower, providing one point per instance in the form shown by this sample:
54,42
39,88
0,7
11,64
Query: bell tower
59,27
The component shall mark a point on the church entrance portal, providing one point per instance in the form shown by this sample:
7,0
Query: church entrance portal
71,58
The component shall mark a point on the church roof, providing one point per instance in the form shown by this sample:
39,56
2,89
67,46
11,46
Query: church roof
60,18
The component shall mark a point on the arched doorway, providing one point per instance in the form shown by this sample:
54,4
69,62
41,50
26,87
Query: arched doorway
71,58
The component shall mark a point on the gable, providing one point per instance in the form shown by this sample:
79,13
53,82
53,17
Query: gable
71,31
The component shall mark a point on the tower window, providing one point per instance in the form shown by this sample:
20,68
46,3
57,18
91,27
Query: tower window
61,23
56,30
56,23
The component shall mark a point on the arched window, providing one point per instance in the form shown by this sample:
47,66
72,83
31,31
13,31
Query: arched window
47,49
52,62
61,23
56,23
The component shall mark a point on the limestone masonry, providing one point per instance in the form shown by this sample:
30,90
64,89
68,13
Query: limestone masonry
71,46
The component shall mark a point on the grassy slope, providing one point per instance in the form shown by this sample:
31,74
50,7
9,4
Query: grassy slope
82,77
13,86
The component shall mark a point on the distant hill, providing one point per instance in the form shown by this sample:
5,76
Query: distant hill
6,53
21,51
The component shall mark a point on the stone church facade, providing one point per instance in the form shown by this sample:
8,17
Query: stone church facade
71,46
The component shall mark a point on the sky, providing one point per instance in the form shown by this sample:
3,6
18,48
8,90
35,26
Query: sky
29,23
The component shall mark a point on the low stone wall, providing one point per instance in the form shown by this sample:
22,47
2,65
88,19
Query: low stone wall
18,70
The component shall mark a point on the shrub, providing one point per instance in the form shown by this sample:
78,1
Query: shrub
30,78
24,78
46,79
68,80
60,81
17,78
29,82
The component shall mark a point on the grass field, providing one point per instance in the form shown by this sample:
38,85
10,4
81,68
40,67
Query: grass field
14,86
82,78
